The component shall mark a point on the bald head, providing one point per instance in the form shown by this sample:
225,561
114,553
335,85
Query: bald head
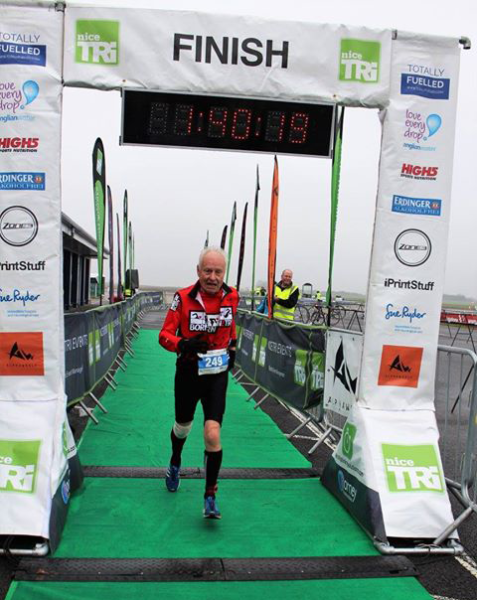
211,269
287,277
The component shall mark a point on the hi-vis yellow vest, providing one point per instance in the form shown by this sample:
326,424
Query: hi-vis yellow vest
280,311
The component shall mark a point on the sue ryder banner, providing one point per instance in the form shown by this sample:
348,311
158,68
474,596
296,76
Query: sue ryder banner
285,360
34,475
410,240
111,48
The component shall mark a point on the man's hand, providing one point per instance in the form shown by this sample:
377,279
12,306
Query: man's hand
193,346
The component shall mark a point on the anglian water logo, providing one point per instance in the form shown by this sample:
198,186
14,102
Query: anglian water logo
16,98
412,468
419,128
18,465
97,42
359,61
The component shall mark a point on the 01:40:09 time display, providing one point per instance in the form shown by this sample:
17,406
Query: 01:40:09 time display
227,123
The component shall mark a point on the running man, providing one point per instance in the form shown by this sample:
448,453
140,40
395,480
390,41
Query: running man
200,327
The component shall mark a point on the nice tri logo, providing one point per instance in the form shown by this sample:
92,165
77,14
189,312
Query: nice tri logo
18,465
97,42
359,61
412,468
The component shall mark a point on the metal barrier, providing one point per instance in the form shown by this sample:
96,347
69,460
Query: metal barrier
456,414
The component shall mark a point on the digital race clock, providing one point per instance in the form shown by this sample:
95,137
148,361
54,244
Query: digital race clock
226,123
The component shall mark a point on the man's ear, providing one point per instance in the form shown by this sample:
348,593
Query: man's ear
198,271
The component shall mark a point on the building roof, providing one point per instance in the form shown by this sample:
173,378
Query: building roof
78,240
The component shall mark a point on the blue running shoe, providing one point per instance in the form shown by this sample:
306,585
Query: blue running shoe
173,478
211,510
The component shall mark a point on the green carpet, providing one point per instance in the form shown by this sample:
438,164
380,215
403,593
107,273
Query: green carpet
341,589
138,518
136,430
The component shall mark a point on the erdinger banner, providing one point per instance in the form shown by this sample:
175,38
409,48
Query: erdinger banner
228,54
35,441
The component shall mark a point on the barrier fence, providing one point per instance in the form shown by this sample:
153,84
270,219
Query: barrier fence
93,340
289,362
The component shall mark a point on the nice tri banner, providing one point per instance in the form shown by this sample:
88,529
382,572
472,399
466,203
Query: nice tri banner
35,440
387,469
199,52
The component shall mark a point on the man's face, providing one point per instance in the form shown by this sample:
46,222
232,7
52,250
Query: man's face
287,277
211,272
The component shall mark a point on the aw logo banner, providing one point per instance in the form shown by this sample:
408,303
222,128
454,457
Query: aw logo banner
412,468
359,61
18,465
97,42
400,366
21,354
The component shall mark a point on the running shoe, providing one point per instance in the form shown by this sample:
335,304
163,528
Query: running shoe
173,478
211,510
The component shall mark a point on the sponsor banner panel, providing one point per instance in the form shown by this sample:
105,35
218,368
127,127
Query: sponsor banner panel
77,373
26,475
410,240
198,52
407,463
460,318
343,357
247,343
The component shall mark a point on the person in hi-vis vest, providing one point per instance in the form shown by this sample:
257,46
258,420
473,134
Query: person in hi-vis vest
285,297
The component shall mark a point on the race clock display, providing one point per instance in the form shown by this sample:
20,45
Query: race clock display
226,123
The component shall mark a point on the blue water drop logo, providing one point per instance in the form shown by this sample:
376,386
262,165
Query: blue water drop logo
433,123
30,90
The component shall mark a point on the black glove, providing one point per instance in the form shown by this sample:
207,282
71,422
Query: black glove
232,354
192,346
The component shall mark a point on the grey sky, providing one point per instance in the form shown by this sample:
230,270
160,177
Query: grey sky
176,195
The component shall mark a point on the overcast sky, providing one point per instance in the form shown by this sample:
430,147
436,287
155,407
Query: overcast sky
175,195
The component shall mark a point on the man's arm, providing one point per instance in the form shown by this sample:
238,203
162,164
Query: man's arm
168,337
291,301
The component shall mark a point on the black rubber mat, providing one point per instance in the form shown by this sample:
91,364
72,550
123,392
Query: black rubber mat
212,569
197,473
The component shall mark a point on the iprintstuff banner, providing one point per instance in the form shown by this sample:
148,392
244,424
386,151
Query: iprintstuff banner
226,54
33,470
410,241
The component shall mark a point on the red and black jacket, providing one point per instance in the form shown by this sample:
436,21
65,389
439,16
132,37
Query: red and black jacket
190,315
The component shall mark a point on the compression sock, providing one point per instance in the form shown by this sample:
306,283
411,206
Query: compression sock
212,461
177,445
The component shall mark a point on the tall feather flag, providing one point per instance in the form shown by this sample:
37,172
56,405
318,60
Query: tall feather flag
120,291
255,221
272,239
125,235
130,245
206,245
99,190
231,239
111,245
335,188
242,246
224,238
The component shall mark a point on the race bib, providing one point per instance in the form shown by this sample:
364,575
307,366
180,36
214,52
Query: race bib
214,361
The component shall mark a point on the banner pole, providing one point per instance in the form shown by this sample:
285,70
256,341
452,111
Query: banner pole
242,246
255,221
272,239
231,239
335,186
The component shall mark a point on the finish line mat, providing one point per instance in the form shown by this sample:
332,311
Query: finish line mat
136,430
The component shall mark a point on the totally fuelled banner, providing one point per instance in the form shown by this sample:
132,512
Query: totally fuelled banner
387,469
35,441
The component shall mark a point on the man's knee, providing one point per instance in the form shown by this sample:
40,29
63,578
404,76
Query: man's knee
182,430
212,433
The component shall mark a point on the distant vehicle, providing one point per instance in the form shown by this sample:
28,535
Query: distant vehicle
339,298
